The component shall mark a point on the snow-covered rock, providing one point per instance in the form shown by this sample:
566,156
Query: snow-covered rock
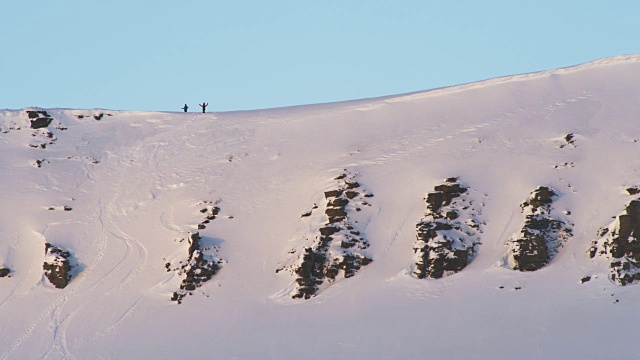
449,233
543,232
198,267
338,248
57,266
620,244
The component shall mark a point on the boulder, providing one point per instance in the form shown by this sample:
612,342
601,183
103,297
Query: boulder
57,267
4,272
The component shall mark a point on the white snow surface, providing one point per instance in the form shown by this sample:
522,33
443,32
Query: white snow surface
265,168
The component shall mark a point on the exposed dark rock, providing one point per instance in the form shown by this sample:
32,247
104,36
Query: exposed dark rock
622,245
335,212
335,250
197,269
445,240
443,195
585,279
39,119
33,114
634,190
530,253
540,197
349,263
328,230
332,193
98,116
4,272
451,215
350,194
352,185
541,235
57,267
570,139
338,202
39,123
311,269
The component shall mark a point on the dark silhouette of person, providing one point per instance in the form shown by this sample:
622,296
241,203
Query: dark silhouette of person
203,106
185,108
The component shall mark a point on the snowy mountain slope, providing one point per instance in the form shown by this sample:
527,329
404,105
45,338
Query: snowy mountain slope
135,183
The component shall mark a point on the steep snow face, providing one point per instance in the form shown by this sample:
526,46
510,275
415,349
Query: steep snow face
119,190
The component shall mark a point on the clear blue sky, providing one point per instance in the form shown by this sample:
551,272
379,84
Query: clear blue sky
157,55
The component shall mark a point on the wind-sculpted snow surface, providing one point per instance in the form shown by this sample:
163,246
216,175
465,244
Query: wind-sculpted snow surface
116,190
449,233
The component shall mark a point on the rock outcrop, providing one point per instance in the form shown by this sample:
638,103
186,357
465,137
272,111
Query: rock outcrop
448,234
542,233
57,266
337,249
4,272
197,269
620,242
569,140
633,190
39,119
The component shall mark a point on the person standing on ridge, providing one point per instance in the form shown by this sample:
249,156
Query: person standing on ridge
185,108
203,106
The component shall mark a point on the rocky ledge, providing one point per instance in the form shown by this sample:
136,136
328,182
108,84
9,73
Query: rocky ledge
620,242
57,266
197,269
448,234
338,246
39,119
542,234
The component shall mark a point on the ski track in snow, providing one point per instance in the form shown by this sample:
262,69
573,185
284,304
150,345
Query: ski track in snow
133,260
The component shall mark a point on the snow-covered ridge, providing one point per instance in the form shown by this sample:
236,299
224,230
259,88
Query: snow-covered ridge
604,62
119,192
